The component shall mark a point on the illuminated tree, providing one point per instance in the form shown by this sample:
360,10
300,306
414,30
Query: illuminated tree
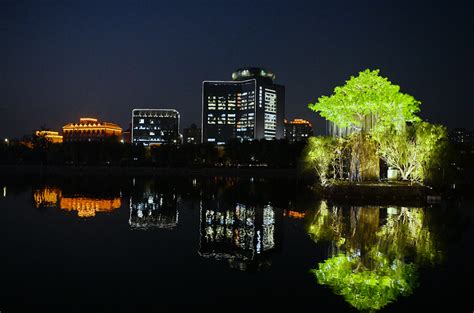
363,102
412,150
319,155
364,95
364,162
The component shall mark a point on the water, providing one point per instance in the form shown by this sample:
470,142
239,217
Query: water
223,244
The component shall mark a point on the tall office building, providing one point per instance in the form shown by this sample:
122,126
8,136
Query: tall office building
298,129
249,107
155,126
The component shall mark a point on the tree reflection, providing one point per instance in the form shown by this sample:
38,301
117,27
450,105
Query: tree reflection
374,252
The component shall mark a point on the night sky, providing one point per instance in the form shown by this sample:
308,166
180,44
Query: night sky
61,60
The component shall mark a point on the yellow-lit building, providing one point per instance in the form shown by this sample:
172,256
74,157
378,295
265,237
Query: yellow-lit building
298,129
89,130
51,136
46,196
87,207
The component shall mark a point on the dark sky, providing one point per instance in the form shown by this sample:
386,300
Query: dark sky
60,60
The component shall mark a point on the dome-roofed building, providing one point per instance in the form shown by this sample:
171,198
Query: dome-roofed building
90,130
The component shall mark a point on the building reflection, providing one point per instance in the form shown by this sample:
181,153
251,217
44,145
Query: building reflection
294,214
374,252
85,206
46,196
88,207
154,210
243,235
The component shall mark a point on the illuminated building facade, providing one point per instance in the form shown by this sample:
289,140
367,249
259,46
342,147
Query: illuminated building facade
298,129
90,130
155,126
192,135
242,235
51,136
249,107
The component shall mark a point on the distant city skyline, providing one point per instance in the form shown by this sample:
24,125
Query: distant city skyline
62,60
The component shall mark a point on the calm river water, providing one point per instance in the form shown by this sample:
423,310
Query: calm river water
89,244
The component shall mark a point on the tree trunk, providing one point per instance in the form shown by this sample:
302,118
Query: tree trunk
364,159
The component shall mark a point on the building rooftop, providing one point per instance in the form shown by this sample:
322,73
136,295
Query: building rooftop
299,121
252,72
87,122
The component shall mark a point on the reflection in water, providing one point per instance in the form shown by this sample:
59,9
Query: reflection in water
294,214
374,252
46,197
154,210
242,235
85,206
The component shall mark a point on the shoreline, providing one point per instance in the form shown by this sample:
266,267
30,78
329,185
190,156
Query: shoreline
386,192
144,171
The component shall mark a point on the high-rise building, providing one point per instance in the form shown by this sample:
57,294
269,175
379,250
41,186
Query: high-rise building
298,129
460,136
249,107
155,126
192,134
90,130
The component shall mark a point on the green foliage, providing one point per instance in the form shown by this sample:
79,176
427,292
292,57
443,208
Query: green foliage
413,150
325,225
368,265
407,231
319,154
364,95
367,289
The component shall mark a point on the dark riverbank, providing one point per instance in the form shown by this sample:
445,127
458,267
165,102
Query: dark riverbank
389,193
145,171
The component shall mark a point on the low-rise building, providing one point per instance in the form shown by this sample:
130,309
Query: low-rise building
51,136
192,134
298,129
91,130
155,126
